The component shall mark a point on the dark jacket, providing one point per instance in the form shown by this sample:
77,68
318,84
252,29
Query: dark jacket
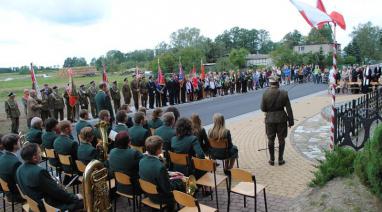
86,153
230,152
138,135
273,103
103,102
8,166
155,123
120,127
47,143
65,146
166,133
34,135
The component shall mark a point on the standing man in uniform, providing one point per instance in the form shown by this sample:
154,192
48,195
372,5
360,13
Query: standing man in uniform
58,104
103,101
13,112
276,119
83,98
91,93
134,85
126,91
144,91
33,107
116,96
151,87
45,104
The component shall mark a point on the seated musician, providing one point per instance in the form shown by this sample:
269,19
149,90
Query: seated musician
155,122
174,110
137,133
129,123
37,183
185,142
86,152
83,122
9,164
34,134
166,131
121,118
104,116
218,133
64,145
199,132
48,137
144,111
152,169
126,160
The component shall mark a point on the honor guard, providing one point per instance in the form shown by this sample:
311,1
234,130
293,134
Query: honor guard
83,98
91,93
126,91
144,91
13,112
134,85
116,96
59,104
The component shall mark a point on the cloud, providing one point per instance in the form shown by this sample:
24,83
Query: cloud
77,12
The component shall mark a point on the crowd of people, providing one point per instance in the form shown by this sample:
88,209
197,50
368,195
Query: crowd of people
140,149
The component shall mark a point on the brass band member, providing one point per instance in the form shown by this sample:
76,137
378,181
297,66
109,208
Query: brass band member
37,183
166,131
86,152
34,134
121,121
48,137
156,122
199,132
137,133
276,119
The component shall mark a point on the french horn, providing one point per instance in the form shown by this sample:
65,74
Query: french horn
190,184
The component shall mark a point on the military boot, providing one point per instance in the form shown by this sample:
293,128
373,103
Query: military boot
272,155
281,154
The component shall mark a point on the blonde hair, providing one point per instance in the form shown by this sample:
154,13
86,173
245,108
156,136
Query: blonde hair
85,134
196,124
218,131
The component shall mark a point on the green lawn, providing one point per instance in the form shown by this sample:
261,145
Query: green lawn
20,82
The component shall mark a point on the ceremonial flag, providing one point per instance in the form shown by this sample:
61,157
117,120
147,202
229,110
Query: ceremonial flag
321,6
338,19
34,81
137,73
193,71
202,71
160,75
181,72
313,16
72,93
104,75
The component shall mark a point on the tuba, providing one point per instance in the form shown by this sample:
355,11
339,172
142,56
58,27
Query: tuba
95,187
22,139
102,126
190,185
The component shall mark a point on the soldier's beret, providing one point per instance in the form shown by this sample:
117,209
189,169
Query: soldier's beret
125,79
11,94
54,87
91,82
82,85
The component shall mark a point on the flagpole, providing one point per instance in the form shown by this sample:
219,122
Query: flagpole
333,112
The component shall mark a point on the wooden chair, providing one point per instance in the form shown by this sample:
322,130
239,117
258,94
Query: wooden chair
209,179
66,160
141,149
180,159
221,144
49,208
51,154
80,168
152,131
124,179
30,204
247,186
190,203
25,206
151,189
5,189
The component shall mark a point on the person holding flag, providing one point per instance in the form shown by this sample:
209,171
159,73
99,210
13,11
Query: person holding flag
71,97
182,86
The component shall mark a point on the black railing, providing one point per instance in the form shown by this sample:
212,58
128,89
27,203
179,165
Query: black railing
355,118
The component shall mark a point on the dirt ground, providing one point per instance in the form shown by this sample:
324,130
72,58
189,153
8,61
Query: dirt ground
340,194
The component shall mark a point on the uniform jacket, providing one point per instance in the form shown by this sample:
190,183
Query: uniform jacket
45,101
92,92
65,146
86,153
166,133
34,135
103,102
58,101
47,143
134,85
33,108
120,127
275,113
37,183
82,124
83,98
138,135
12,108
143,87
115,93
126,91
155,123
8,166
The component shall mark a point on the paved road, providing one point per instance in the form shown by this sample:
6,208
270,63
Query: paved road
235,105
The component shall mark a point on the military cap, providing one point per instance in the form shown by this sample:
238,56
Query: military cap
125,79
55,87
273,78
11,94
82,85
91,82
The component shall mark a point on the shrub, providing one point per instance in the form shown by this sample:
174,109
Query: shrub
368,164
338,163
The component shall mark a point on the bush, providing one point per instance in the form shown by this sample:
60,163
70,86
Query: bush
338,163
368,164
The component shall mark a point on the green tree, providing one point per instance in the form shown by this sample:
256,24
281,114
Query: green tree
293,39
190,57
224,64
349,60
74,62
352,49
283,55
238,57
168,63
320,36
186,37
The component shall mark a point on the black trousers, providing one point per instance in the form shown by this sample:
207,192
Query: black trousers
151,101
144,100
158,101
136,103
93,110
15,125
57,112
45,115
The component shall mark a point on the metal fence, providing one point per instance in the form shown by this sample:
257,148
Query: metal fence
355,119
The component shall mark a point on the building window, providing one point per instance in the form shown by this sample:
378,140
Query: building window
301,48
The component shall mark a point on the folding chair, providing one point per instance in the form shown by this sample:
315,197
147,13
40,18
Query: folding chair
5,189
51,154
223,145
151,189
66,160
181,160
124,179
190,203
247,186
49,208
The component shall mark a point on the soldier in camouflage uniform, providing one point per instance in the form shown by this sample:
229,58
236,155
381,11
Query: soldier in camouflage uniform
13,112
58,104
116,96
126,91
276,119
83,98
144,91
45,113
91,93
134,85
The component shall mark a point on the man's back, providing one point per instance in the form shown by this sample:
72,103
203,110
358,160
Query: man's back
138,135
273,102
8,166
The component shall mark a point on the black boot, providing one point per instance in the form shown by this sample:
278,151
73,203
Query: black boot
281,154
272,155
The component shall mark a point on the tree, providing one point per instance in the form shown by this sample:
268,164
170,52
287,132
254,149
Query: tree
74,62
283,55
352,49
224,64
186,37
190,57
238,57
168,63
265,43
319,36
293,39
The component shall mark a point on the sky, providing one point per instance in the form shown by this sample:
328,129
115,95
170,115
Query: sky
46,32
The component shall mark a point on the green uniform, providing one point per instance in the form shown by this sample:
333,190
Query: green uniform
166,133
86,153
91,93
82,124
223,154
37,183
138,135
120,127
34,135
8,166
65,146
83,99
59,105
155,123
47,143
134,85
45,113
103,103
151,169
13,112
144,92
126,91
127,162
116,96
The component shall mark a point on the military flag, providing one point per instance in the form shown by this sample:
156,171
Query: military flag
160,79
181,72
202,71
105,79
34,81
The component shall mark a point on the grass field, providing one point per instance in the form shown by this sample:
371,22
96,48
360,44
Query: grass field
20,82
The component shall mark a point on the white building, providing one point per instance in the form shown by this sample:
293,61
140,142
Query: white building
315,48
259,59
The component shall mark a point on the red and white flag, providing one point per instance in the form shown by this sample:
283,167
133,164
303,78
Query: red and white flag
104,75
72,93
312,15
336,17
34,81
160,79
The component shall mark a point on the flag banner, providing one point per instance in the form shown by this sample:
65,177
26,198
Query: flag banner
160,79
338,19
314,16
137,72
202,71
34,81
104,75
72,93
181,73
